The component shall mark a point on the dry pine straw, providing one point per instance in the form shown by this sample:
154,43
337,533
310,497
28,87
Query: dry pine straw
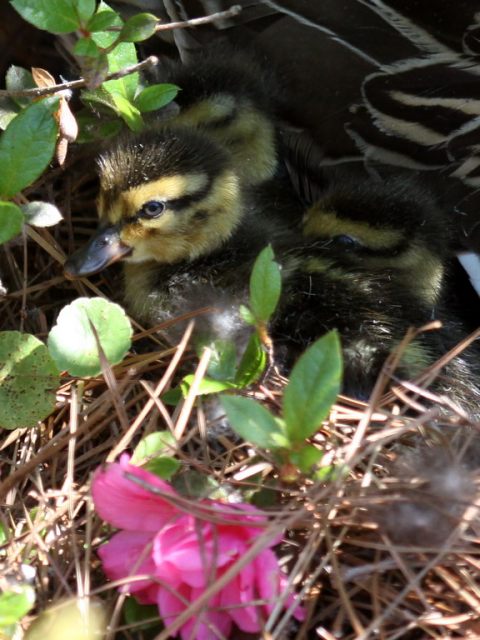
382,550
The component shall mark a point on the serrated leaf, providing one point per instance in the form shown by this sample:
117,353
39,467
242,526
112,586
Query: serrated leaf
86,47
28,380
128,112
253,422
252,364
41,214
156,96
19,79
154,445
34,129
265,285
139,27
11,221
72,343
123,55
102,20
15,604
314,384
55,16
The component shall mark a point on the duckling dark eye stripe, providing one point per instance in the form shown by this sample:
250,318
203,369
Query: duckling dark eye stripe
185,201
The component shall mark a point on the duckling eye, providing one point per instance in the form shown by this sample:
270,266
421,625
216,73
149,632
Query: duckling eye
152,209
347,242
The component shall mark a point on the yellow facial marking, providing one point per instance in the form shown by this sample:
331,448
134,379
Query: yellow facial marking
190,232
319,223
208,111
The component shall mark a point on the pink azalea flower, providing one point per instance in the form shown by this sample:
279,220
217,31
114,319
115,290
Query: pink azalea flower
183,555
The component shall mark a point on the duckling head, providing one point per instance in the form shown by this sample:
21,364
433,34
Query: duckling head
392,226
165,196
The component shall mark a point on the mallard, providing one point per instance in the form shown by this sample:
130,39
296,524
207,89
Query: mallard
173,206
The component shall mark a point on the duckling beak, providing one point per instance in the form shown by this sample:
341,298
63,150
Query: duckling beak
104,248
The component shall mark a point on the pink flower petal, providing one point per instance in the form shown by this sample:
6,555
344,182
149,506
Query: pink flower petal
128,554
127,505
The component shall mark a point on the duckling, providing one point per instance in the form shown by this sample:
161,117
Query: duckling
230,95
173,206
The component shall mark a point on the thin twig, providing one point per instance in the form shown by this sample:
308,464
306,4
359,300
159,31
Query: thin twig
196,22
36,92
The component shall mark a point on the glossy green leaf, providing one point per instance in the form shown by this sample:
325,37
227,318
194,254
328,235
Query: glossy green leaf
265,285
41,214
155,444
28,380
34,129
19,79
139,27
155,97
253,422
314,385
72,342
55,16
15,604
102,20
85,9
100,97
252,364
128,112
86,47
11,221
123,55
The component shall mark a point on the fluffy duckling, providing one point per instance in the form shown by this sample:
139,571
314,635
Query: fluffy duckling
173,205
229,95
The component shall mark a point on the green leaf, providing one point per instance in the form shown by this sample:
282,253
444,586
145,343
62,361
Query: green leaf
11,221
86,47
313,387
172,397
102,20
128,112
246,315
8,111
55,16
123,55
100,97
265,285
223,361
306,458
3,534
19,79
41,214
253,422
15,604
85,9
252,364
34,129
206,387
72,343
134,613
156,96
139,27
164,467
155,444
28,380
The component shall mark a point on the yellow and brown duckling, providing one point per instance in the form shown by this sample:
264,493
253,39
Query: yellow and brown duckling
173,205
